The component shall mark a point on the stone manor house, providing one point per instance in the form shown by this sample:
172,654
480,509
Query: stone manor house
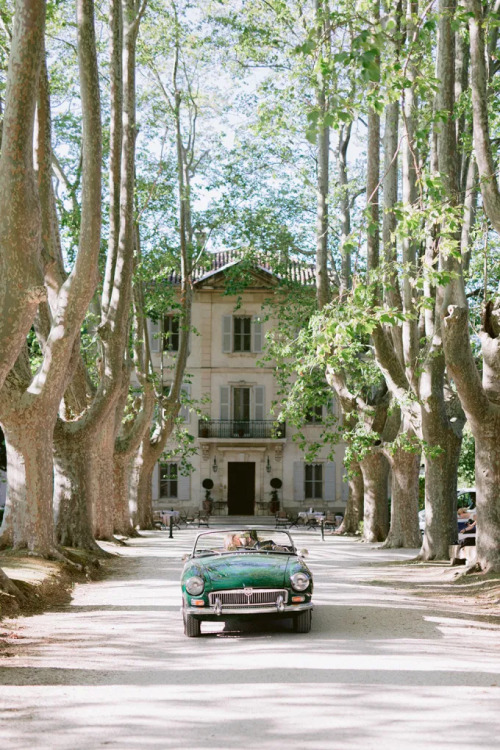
239,446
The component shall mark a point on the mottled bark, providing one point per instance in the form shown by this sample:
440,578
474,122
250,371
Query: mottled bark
323,157
102,456
115,146
404,528
98,426
354,508
29,410
481,403
144,466
28,524
21,281
73,475
344,210
375,470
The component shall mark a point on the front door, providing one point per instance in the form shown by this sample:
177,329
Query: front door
240,488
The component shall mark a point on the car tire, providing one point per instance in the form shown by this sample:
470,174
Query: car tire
302,622
192,626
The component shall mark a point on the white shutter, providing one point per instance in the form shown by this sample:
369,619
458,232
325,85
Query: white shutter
154,336
185,411
183,487
224,403
227,333
298,481
330,493
256,334
259,402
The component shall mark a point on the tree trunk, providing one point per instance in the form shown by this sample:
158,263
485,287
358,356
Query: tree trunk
354,508
488,497
21,281
103,457
323,154
480,402
28,515
73,491
122,469
144,466
375,470
440,491
404,530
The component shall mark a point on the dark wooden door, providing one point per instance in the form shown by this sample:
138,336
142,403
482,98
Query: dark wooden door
240,488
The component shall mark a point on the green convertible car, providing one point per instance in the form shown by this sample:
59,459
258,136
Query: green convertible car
245,573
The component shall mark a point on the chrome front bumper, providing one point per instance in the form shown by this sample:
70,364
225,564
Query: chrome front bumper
286,610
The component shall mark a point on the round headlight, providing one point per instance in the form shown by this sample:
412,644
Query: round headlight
299,581
195,585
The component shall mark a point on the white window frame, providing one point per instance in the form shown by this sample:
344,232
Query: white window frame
169,480
314,483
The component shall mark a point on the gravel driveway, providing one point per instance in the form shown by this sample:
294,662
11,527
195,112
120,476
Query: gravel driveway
381,668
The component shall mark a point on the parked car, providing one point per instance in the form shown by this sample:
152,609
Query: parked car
249,573
466,500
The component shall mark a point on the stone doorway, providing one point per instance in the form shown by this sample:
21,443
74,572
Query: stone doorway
240,488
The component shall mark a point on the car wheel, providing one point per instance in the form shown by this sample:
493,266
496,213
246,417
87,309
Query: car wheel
302,622
192,626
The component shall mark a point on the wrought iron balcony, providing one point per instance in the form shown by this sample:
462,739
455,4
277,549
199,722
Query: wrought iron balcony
229,428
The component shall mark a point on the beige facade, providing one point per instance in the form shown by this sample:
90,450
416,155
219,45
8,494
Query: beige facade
239,447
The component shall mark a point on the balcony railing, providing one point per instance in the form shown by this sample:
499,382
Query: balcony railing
228,428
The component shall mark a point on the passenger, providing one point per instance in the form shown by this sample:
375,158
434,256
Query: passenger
250,539
470,534
232,542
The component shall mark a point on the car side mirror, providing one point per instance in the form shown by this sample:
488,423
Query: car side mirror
185,557
304,553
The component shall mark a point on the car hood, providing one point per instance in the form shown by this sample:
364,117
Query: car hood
246,569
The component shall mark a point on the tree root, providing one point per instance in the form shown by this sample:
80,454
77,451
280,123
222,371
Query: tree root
119,541
11,589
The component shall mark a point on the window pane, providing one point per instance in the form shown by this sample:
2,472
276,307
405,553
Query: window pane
314,415
313,485
241,398
168,479
242,334
171,333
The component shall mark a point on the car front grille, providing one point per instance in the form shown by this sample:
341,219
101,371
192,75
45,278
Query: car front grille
251,598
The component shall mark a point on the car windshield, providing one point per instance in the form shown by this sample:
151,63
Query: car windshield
243,540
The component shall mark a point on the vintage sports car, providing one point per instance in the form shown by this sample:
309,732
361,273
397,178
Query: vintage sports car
245,573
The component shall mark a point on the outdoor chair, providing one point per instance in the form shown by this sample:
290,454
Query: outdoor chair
281,520
203,519
296,521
